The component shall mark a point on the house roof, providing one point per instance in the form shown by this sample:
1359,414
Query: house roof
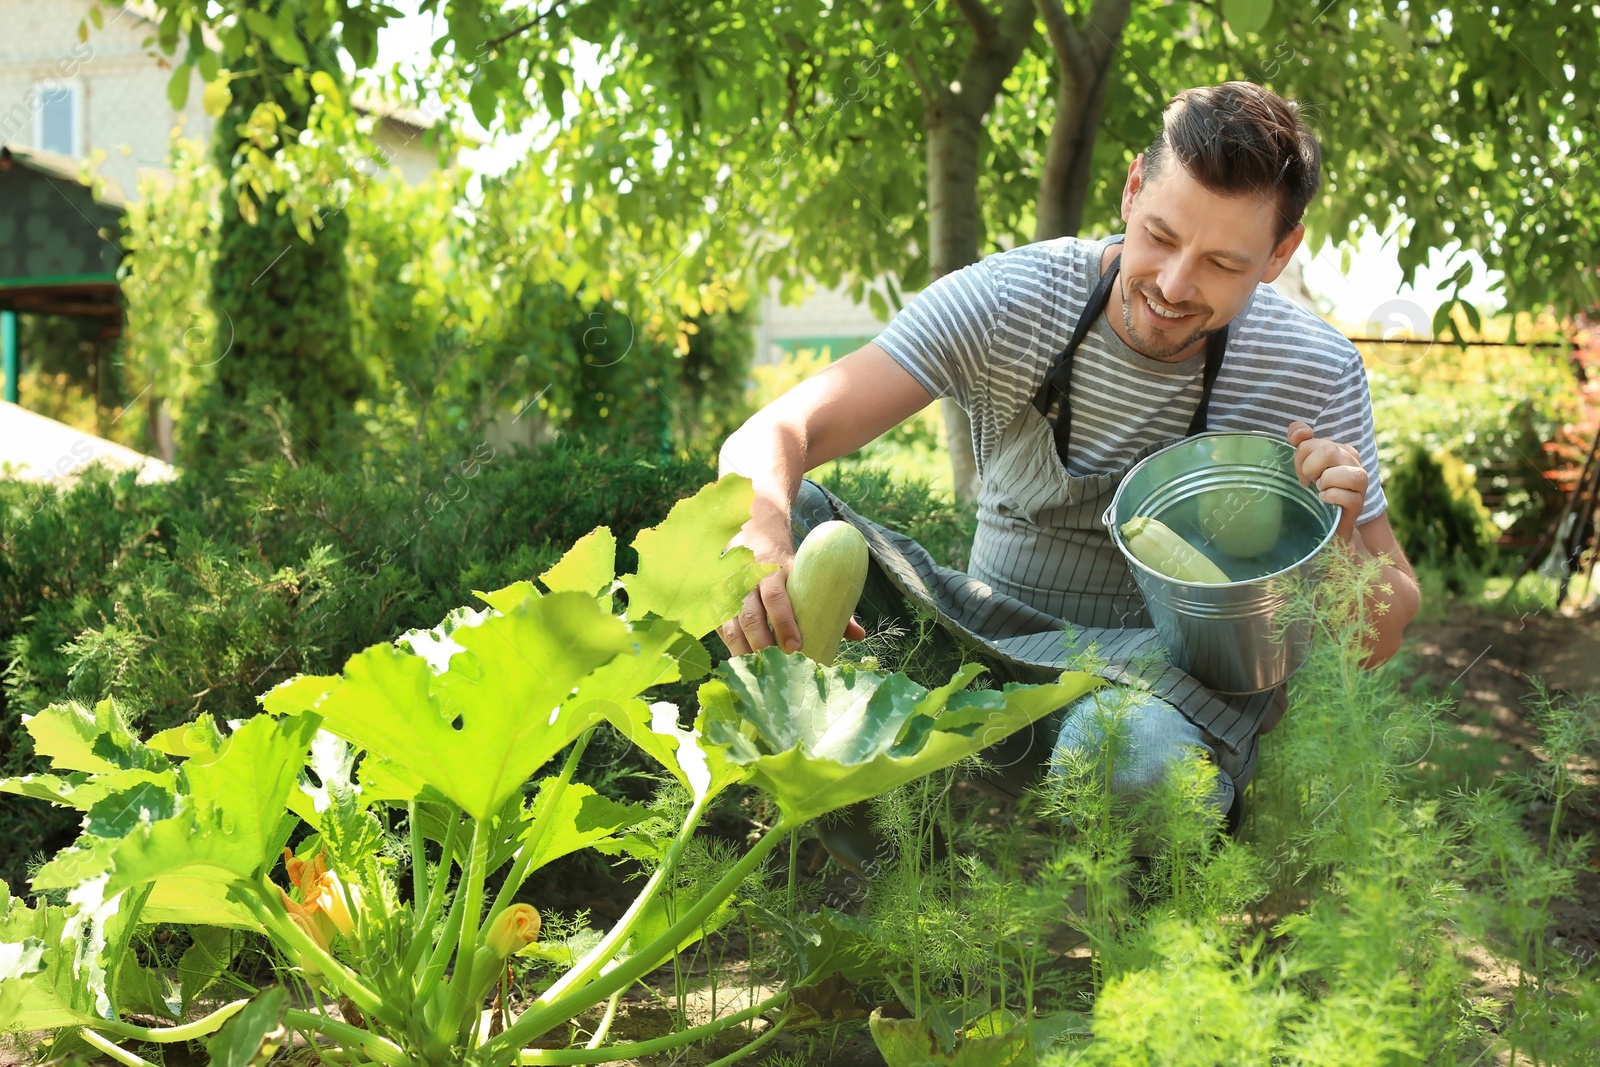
67,169
40,449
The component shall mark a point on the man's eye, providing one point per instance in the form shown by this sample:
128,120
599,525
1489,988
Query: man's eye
1158,240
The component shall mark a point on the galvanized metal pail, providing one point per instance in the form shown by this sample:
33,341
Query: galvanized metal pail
1234,497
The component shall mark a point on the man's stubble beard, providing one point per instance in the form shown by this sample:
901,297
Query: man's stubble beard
1146,346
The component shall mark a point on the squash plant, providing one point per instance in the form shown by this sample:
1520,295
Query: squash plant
450,725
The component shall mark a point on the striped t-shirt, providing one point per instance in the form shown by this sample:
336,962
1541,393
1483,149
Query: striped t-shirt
986,335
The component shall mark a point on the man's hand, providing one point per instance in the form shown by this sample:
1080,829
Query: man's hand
1335,470
767,617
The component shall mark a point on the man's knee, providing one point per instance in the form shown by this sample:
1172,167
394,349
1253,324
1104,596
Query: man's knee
1142,737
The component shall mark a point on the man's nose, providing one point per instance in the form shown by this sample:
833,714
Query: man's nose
1175,280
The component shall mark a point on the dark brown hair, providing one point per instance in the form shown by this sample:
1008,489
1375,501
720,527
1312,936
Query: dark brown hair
1238,138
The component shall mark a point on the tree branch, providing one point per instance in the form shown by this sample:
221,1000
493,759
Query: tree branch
919,75
496,42
982,19
1066,40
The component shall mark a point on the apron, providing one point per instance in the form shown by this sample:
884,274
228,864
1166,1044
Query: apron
1045,582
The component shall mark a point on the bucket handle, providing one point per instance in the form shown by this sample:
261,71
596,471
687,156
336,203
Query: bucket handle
1107,519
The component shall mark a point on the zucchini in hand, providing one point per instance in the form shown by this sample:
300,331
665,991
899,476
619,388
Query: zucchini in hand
825,584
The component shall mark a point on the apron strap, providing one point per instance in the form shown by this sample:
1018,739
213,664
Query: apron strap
1056,389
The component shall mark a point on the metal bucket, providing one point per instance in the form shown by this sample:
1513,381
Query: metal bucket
1229,486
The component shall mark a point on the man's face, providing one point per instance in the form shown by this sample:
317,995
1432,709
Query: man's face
1191,259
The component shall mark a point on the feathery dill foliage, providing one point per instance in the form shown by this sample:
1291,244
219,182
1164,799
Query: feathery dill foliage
1330,933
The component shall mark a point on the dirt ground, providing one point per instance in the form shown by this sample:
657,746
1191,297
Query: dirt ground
1487,662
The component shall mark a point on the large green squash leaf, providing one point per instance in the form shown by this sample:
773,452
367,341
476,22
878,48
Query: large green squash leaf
58,965
589,566
508,678
582,819
686,571
818,738
227,824
76,739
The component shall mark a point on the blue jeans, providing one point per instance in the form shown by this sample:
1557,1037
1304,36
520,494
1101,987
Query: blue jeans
1155,736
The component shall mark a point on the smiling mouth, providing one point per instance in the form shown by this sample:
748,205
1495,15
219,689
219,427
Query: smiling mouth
1160,312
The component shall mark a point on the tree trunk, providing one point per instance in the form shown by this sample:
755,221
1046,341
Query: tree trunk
953,235
1084,56
1064,180
953,118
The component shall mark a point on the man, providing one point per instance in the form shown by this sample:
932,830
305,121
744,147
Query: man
1075,359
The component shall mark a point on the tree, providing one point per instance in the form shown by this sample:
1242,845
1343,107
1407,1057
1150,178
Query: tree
774,138
282,301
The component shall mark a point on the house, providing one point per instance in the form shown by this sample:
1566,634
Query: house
79,99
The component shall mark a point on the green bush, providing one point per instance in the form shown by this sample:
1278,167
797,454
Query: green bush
1439,517
1496,409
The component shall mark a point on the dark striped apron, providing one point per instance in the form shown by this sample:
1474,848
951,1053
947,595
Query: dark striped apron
1045,583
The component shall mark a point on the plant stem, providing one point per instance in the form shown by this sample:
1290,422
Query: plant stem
419,940
604,1028
544,1015
634,1049
534,838
419,864
379,1048
467,946
585,969
740,1053
265,906
115,1051
190,1031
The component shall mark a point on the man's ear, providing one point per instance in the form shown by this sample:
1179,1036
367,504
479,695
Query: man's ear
1130,189
1283,251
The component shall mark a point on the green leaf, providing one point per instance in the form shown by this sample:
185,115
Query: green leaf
198,738
880,306
253,1036
59,965
704,770
1246,16
142,990
226,827
205,960
504,600
280,36
121,813
589,566
818,738
509,686
334,802
76,740
582,819
178,86
1441,319
553,87
484,100
97,18
687,572
913,1043
84,791
299,694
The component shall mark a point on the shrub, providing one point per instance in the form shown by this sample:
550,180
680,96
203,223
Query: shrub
1438,516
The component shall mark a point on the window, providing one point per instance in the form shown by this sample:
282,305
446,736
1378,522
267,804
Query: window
56,122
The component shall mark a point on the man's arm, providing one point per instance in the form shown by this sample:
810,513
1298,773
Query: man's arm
1336,470
827,416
